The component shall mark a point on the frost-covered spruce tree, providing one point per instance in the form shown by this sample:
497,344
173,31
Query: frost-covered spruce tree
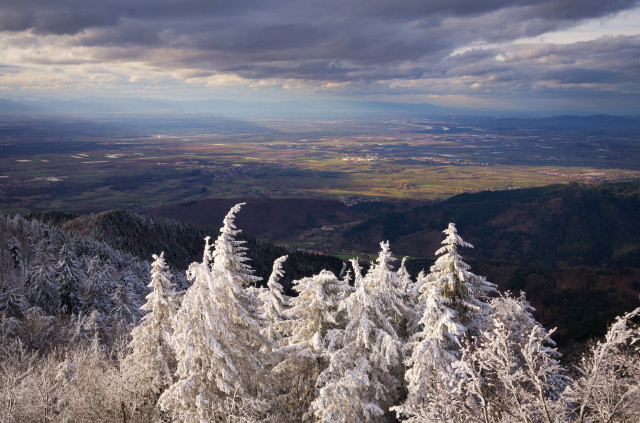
467,292
229,255
312,314
450,301
273,302
216,337
408,288
364,376
41,284
387,286
432,350
70,279
97,289
151,363
12,302
15,252
124,304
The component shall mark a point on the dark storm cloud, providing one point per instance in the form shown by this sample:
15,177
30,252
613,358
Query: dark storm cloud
362,41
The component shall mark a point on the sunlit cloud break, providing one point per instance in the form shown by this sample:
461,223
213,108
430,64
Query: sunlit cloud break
522,55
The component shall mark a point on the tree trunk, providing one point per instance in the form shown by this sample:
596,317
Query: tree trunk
124,412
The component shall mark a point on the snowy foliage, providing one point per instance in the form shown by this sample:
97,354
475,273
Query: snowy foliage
15,252
364,375
41,283
70,279
607,387
151,363
451,300
443,348
273,301
465,290
311,315
433,349
97,285
12,303
216,338
386,285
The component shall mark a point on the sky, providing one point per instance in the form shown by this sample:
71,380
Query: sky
569,56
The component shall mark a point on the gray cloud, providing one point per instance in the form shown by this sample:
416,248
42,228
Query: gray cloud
359,41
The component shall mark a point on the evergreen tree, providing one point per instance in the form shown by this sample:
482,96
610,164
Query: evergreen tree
124,304
465,290
229,255
386,285
12,302
216,337
408,288
15,252
312,314
97,291
364,375
69,278
151,363
432,350
273,301
41,283
450,303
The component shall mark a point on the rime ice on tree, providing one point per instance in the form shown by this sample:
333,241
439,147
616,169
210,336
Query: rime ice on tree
364,376
216,337
449,302
151,364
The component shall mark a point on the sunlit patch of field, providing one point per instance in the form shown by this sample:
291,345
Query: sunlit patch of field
303,158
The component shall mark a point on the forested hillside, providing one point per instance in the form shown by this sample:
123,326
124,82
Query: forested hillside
575,249
557,225
375,346
144,235
85,276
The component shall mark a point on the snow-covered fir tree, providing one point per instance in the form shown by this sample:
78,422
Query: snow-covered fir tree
273,302
15,252
467,292
364,377
388,287
312,313
97,288
432,350
70,279
408,288
216,338
151,363
124,304
41,283
229,255
12,302
451,301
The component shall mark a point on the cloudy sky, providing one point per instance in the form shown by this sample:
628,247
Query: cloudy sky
527,55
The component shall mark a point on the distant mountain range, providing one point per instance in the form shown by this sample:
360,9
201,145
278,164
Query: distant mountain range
227,108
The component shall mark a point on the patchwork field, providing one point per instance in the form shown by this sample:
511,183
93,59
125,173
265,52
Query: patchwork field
81,165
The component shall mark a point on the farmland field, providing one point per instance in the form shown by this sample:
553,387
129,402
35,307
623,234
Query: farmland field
136,163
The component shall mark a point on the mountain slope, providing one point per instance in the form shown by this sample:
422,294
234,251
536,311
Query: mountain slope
554,225
183,243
